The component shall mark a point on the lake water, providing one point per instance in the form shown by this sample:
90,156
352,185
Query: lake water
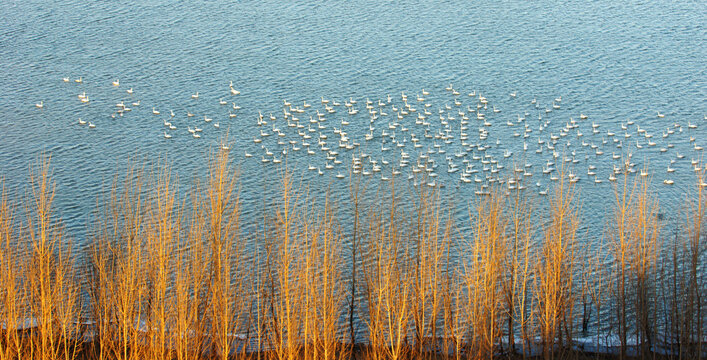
615,62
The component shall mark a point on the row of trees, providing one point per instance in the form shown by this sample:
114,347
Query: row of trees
172,276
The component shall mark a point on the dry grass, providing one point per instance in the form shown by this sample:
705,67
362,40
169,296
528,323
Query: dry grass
517,268
53,300
695,249
220,211
482,275
634,244
683,284
162,238
287,274
430,247
190,290
118,287
388,281
173,275
12,295
554,279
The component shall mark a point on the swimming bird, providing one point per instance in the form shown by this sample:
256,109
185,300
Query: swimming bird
116,82
40,104
233,91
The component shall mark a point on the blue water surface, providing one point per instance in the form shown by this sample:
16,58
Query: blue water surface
614,62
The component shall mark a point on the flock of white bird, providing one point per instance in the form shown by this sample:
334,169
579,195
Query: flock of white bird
407,136
122,108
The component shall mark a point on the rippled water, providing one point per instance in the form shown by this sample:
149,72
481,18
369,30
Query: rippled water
612,61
